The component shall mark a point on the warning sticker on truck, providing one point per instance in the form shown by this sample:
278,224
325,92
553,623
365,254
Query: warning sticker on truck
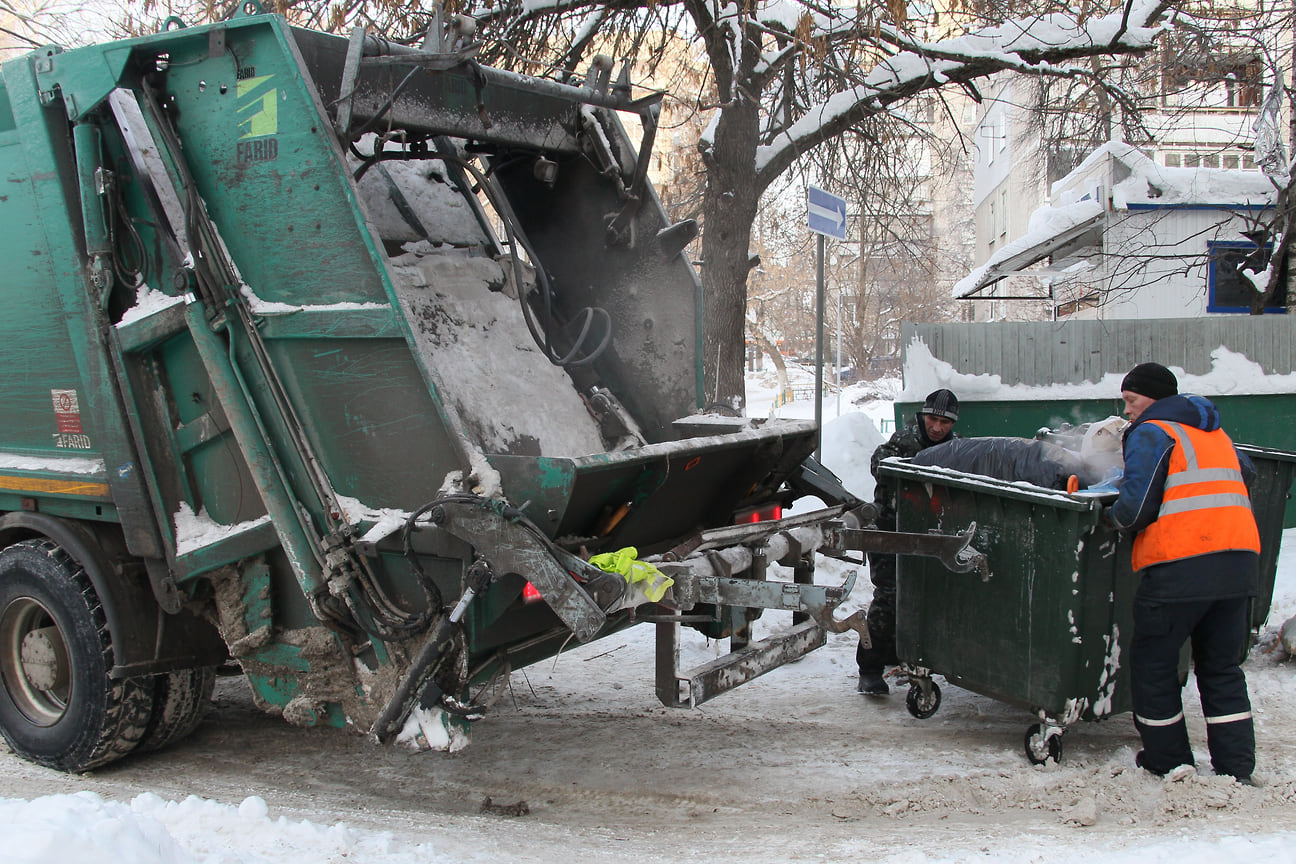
67,420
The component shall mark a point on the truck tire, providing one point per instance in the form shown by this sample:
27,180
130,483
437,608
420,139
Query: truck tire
58,705
181,700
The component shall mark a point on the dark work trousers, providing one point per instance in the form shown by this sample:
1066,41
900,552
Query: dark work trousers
881,616
1217,630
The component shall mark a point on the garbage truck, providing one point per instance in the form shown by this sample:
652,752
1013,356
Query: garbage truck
370,373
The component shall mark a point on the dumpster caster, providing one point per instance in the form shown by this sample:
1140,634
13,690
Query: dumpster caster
924,698
1043,745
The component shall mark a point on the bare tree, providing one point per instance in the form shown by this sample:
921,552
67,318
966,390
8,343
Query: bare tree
28,24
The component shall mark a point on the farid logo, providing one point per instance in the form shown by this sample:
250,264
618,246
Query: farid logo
258,108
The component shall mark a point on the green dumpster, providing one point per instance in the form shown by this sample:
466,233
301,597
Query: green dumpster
1049,628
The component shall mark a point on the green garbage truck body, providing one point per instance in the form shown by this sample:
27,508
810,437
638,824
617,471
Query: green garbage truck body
333,362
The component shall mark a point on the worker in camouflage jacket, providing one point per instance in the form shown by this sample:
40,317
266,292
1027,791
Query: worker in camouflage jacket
934,424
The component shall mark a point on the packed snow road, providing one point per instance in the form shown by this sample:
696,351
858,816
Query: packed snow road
579,759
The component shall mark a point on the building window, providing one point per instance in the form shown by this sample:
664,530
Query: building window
1192,160
1002,228
1230,162
990,131
1228,290
1173,160
1225,78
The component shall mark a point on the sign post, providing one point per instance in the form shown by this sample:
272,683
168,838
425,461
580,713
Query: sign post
825,215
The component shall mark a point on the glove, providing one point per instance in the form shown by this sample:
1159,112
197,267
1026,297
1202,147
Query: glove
625,562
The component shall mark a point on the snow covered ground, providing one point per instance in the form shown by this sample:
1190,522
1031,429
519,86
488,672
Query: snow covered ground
579,762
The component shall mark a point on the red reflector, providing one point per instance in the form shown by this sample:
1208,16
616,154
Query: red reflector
767,513
530,593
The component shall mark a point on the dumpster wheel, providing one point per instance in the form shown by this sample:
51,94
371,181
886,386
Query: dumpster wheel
1043,746
924,698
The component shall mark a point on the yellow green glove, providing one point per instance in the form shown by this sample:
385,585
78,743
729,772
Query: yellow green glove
626,562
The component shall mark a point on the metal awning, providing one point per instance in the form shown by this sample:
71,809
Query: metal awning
1065,235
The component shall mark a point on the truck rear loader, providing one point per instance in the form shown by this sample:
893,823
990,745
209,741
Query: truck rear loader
367,372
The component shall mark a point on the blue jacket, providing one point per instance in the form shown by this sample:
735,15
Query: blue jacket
1147,460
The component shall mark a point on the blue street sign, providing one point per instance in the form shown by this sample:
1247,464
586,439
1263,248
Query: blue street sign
825,213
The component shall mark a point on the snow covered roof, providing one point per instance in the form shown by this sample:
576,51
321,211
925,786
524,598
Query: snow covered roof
1075,219
1051,230
1137,180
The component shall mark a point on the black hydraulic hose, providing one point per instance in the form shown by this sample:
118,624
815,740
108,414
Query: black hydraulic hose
436,648
130,255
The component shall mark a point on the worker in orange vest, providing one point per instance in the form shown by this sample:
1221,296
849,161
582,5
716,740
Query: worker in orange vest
1197,550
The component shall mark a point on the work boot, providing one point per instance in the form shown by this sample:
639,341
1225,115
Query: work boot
1138,761
1174,775
871,683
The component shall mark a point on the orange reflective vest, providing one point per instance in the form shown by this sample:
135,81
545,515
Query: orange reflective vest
1205,507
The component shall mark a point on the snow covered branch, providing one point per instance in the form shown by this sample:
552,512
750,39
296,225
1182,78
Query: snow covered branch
1038,46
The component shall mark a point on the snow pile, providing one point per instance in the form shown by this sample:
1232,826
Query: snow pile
848,445
423,187
85,829
855,421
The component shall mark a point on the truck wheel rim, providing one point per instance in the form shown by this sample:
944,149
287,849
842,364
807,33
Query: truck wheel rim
34,661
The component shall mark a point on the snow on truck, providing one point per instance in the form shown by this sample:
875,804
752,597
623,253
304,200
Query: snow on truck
369,373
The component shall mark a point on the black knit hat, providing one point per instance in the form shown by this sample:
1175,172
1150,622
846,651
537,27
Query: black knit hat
941,403
1151,380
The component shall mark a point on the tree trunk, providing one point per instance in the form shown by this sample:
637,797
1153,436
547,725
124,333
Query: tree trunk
728,210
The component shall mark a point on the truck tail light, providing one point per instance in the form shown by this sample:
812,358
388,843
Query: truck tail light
763,513
530,593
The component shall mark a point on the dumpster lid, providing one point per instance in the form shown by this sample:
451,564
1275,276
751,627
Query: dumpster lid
896,466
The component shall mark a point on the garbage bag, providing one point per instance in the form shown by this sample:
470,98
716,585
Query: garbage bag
1015,459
